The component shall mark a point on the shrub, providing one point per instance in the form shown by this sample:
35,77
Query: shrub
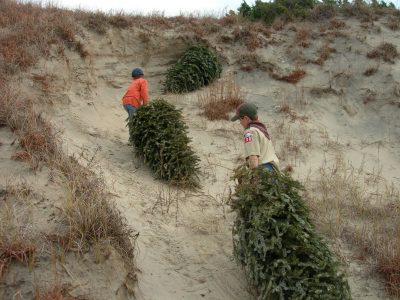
294,77
269,11
324,53
159,134
322,12
386,51
276,242
221,98
197,67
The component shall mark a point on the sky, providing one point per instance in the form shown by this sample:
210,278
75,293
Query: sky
169,8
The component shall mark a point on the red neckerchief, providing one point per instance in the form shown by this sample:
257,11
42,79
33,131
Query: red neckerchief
260,126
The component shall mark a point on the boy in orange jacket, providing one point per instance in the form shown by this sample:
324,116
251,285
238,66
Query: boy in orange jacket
136,95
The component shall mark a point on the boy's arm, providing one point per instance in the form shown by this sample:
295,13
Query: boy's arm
143,92
251,148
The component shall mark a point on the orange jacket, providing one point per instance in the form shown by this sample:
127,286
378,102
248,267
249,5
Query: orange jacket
136,94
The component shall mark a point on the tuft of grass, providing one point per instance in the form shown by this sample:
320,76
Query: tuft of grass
323,54
303,37
370,71
336,24
386,51
56,292
249,35
17,243
220,98
278,24
294,77
21,156
44,81
393,23
322,12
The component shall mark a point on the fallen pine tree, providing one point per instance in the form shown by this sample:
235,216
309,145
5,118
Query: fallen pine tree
160,136
197,67
276,243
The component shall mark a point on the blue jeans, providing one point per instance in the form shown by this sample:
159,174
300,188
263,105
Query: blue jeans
268,166
130,110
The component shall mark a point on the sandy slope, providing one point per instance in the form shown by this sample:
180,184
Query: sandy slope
187,252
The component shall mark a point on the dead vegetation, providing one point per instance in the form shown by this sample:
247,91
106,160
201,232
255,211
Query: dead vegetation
293,77
371,71
92,218
336,24
323,54
220,98
302,37
251,35
386,51
393,23
17,242
57,292
285,108
295,139
362,209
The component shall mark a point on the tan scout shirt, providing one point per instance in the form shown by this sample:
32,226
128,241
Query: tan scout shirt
256,143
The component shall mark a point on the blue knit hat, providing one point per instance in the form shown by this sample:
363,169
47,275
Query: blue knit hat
137,72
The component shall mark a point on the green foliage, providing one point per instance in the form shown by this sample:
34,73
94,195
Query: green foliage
269,11
159,135
288,9
197,67
276,242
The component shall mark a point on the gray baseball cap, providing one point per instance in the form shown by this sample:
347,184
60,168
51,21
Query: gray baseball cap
245,109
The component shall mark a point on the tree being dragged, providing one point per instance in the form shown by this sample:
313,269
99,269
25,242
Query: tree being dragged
277,244
198,67
159,134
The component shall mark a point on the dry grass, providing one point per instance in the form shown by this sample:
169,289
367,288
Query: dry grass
278,24
249,35
57,292
17,242
89,212
220,98
370,71
302,37
44,81
336,24
36,135
348,204
168,201
323,54
393,23
386,51
322,12
285,108
294,76
91,215
31,30
292,141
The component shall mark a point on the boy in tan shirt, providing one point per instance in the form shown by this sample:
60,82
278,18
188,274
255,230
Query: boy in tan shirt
258,147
